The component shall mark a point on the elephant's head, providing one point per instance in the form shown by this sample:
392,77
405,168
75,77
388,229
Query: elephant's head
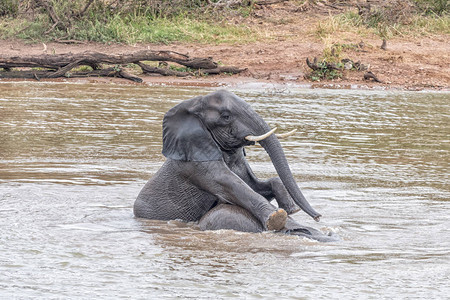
200,129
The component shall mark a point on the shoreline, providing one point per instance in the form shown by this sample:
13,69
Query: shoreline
414,64
238,82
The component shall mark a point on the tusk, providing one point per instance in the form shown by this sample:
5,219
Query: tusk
285,135
259,137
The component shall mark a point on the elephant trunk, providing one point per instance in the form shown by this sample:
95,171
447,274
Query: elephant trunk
276,153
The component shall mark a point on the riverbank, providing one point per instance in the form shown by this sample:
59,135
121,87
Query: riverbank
411,64
281,39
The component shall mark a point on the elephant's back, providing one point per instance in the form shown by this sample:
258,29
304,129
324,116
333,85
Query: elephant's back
168,196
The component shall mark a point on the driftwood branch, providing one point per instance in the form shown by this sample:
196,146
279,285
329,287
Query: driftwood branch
38,75
61,65
370,76
61,60
315,66
169,72
312,65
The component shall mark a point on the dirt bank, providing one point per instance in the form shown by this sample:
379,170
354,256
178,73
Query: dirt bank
410,63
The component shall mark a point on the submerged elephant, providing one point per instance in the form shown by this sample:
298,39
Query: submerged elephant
206,177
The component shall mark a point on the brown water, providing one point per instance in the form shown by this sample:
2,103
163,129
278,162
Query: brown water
73,157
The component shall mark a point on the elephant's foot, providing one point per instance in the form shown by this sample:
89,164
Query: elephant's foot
277,220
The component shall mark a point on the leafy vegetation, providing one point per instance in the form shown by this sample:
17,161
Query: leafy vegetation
393,18
331,65
128,21
438,7
325,71
209,21
9,8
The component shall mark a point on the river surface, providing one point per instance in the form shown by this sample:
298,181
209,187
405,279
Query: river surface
73,158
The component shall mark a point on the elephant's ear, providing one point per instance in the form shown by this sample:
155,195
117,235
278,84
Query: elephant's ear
185,137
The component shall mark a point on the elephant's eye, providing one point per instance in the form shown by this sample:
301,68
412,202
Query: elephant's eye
226,117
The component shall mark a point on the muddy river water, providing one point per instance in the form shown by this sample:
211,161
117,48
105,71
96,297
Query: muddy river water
73,157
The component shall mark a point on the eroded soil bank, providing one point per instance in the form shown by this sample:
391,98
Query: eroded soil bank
409,62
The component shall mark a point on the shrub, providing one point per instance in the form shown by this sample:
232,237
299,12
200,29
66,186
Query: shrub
127,21
9,8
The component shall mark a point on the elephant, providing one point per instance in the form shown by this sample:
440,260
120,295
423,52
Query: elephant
226,216
207,178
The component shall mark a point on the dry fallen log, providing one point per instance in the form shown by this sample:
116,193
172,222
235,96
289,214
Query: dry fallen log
60,60
38,75
312,65
61,65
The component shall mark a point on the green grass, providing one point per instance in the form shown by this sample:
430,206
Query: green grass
181,69
348,22
23,28
129,28
351,22
424,25
439,7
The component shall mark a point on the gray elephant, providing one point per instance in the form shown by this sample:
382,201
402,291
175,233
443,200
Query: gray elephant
206,177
